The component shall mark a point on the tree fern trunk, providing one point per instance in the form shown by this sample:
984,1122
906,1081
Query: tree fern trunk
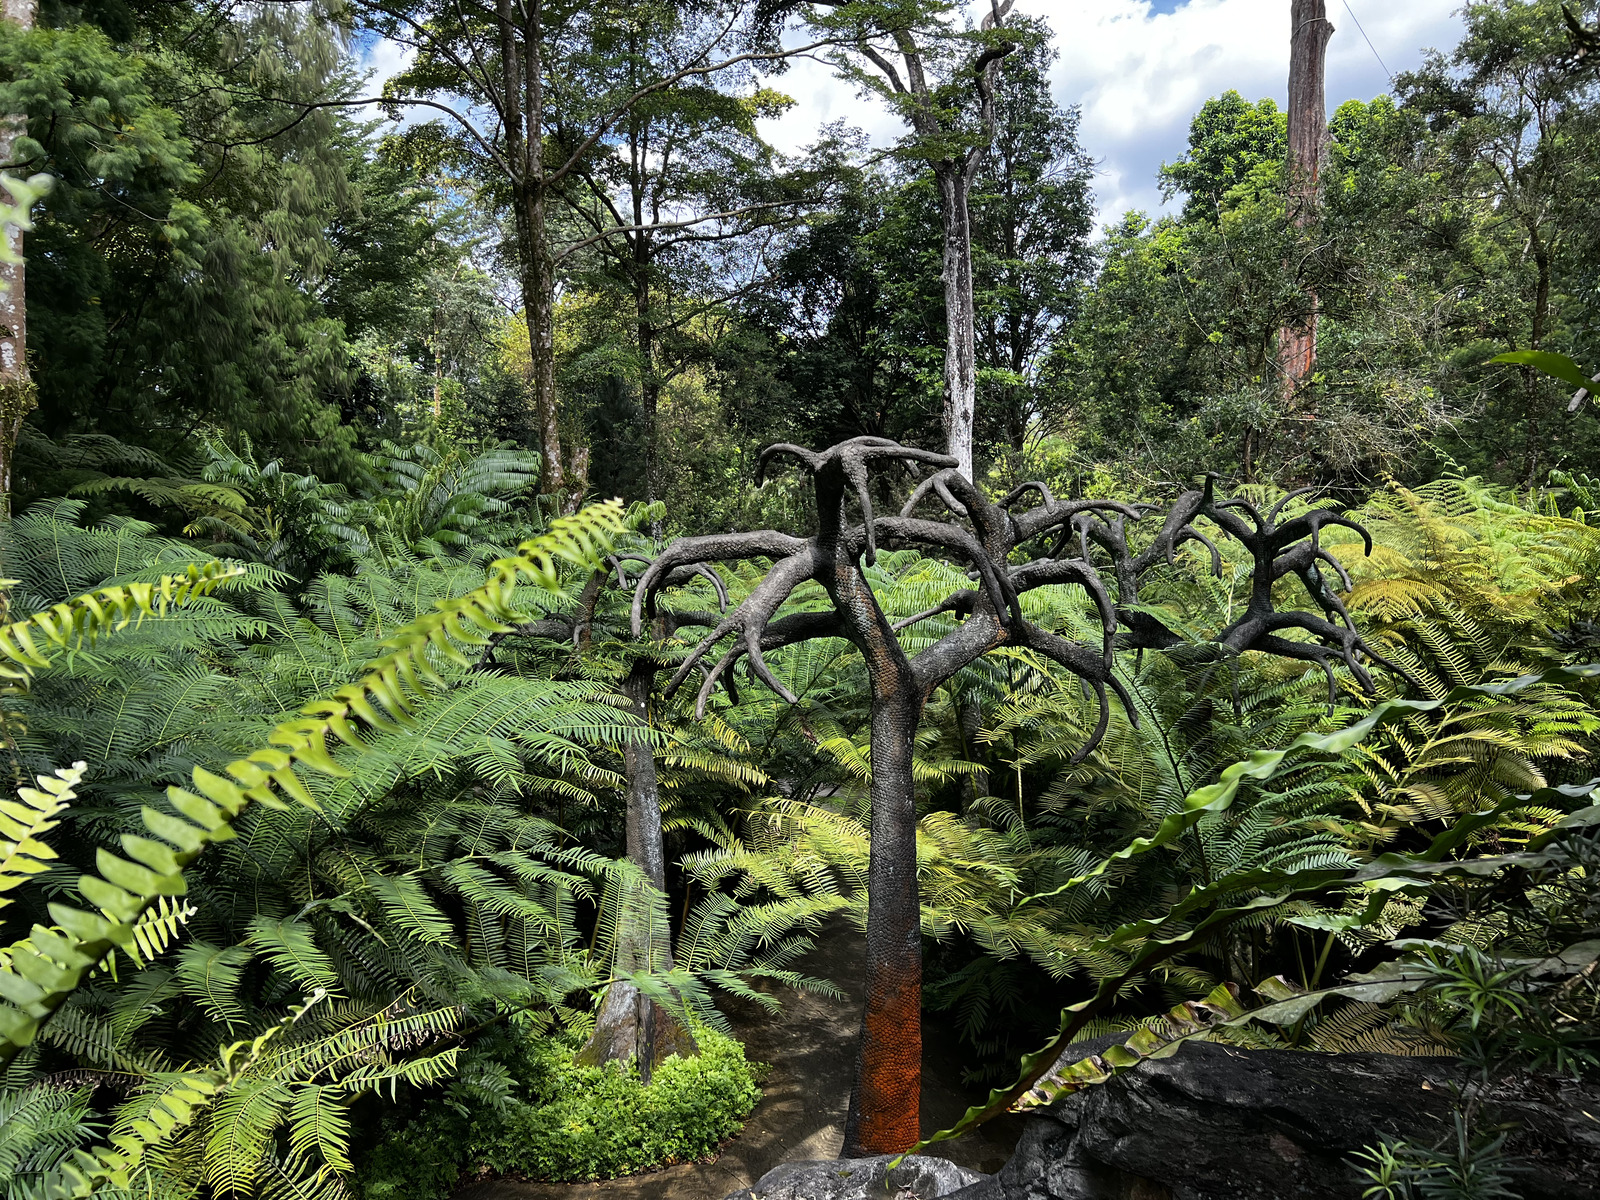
884,1115
628,1026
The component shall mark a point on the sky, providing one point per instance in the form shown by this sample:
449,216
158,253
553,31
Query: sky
1141,68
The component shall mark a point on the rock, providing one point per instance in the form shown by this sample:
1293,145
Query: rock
1216,1122
916,1178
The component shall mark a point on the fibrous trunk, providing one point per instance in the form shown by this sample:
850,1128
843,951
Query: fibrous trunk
884,1116
629,1027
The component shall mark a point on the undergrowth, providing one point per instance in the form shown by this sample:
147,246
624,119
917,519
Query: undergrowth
521,1106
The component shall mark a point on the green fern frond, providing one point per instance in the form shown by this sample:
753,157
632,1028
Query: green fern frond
25,821
78,624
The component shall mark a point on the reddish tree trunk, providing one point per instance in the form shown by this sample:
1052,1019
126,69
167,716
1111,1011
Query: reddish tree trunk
885,1113
1310,32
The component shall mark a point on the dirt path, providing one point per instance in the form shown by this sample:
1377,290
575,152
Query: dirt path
811,1046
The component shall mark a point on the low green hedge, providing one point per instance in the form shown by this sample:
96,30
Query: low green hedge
523,1107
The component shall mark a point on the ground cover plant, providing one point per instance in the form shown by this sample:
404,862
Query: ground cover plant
524,1107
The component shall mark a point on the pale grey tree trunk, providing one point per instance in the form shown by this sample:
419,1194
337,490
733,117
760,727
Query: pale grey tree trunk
953,173
18,396
961,353
629,1027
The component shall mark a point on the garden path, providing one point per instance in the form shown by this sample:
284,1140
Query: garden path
811,1046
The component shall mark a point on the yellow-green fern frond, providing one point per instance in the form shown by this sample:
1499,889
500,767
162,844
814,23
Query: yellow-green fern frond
24,822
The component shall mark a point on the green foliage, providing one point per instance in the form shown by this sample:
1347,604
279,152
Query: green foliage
1229,139
17,211
25,821
1464,1168
233,286
76,625
182,244
523,1106
1209,909
39,1126
279,1075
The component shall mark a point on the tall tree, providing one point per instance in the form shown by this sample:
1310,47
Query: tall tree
535,93
942,81
1228,139
1516,127
175,275
690,186
1032,218
1309,33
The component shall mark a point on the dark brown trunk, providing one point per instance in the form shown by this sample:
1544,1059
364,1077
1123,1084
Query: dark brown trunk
629,1027
18,395
649,384
539,307
1533,383
1310,32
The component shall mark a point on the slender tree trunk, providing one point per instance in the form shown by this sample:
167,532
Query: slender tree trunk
18,395
884,1116
628,1026
961,355
539,310
1309,34
649,399
1533,383
523,104
649,384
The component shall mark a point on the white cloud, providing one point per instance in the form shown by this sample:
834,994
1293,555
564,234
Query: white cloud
382,60
1140,73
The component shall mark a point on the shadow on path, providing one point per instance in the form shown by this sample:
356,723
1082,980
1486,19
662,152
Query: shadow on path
811,1045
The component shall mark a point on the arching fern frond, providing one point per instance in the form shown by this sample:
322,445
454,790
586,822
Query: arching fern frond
78,624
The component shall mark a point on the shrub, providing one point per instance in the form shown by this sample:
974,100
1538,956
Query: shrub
522,1106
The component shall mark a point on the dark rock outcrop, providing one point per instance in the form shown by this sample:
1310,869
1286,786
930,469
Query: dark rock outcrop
1215,1122
916,1178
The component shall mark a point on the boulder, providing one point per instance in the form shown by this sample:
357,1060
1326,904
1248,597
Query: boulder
1216,1122
916,1178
